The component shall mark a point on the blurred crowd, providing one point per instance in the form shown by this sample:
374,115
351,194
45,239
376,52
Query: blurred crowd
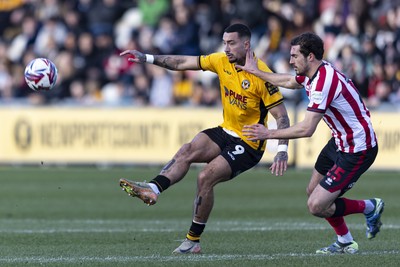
84,38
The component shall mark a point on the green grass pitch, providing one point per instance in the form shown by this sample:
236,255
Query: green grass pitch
69,216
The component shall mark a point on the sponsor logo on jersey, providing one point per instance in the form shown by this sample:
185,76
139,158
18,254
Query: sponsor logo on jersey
236,99
272,89
316,97
226,90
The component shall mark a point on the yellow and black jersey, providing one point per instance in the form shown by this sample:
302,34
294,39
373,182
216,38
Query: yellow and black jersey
245,97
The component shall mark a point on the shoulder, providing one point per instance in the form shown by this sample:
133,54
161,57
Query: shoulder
263,66
213,62
326,67
301,79
214,56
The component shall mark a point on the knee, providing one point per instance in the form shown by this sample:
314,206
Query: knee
206,181
202,181
315,208
308,191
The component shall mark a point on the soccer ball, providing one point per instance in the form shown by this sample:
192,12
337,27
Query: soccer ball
41,74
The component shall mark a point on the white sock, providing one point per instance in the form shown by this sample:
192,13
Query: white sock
155,188
369,206
347,238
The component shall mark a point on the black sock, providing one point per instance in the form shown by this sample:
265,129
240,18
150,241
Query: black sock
161,182
340,207
196,229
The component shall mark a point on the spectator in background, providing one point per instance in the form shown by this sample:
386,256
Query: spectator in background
211,94
7,10
377,77
141,90
51,36
49,9
381,95
12,22
6,93
350,35
21,42
85,58
93,89
392,73
369,55
205,16
21,91
66,75
73,21
113,94
350,63
152,11
70,42
253,14
269,45
186,38
164,37
300,22
77,93
182,88
102,16
372,28
104,48
161,88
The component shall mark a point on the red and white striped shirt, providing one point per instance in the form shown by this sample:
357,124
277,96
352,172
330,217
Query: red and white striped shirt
334,95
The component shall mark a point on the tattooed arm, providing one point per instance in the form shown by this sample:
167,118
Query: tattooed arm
279,165
171,62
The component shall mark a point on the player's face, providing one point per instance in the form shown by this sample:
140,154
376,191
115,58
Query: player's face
298,61
234,47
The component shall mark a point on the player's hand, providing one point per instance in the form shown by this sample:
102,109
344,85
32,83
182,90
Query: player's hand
279,166
134,56
255,132
251,63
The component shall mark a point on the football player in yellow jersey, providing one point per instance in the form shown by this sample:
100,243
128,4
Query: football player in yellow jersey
246,99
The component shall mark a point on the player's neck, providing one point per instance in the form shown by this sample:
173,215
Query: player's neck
314,66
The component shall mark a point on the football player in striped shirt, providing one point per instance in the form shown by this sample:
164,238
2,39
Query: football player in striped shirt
352,149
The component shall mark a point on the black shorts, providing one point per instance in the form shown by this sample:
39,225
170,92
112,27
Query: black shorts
239,155
341,169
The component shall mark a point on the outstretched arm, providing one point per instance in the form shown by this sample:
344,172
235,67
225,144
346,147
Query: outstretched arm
305,128
277,79
171,62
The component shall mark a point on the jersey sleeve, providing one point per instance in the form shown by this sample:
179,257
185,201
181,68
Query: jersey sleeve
210,62
301,80
314,95
320,94
271,94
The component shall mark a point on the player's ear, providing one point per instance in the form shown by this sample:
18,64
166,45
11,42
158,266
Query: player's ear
247,44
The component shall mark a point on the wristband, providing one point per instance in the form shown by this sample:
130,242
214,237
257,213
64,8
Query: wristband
282,148
149,58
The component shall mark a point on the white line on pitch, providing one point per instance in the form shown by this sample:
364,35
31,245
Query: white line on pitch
181,258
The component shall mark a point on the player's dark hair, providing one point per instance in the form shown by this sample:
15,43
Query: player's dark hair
241,29
309,43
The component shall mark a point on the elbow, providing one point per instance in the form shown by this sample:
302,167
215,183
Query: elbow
308,132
